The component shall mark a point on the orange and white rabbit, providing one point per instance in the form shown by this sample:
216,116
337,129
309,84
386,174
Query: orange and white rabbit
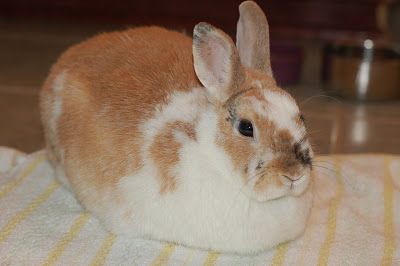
166,137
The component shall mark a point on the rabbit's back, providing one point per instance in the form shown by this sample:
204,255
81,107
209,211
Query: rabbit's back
136,68
102,90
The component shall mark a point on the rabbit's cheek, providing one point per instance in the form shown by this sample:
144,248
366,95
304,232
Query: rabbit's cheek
237,148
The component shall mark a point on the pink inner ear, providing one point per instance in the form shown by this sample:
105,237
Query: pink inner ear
216,62
215,55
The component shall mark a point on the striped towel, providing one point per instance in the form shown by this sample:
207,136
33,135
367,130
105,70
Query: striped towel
355,221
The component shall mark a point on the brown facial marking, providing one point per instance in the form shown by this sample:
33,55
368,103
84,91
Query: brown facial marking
237,147
282,165
269,137
280,142
286,161
165,152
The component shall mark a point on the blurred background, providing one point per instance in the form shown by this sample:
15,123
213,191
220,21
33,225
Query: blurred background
339,58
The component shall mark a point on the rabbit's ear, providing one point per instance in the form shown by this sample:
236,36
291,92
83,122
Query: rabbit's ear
252,37
216,62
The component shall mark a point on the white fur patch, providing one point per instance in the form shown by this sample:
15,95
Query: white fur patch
283,111
280,109
182,107
208,209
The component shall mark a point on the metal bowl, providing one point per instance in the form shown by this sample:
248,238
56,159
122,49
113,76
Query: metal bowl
365,70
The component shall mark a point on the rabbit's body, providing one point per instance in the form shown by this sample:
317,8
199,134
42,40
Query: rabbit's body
145,147
98,78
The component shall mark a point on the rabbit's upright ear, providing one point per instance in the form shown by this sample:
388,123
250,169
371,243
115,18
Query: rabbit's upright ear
252,37
216,62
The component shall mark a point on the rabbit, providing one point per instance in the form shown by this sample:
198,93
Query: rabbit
185,140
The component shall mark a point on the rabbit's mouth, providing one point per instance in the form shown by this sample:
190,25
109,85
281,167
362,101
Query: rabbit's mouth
280,186
294,183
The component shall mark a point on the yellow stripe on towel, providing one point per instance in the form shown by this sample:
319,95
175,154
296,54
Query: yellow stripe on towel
22,215
389,246
15,182
332,216
63,243
164,255
280,254
211,259
104,250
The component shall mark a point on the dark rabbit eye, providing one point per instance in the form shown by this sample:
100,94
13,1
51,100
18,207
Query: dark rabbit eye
245,128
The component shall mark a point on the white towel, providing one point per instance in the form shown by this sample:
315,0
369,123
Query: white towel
355,220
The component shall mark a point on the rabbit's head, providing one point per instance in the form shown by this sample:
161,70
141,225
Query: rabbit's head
259,124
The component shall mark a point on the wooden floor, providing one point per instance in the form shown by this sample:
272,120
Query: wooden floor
27,52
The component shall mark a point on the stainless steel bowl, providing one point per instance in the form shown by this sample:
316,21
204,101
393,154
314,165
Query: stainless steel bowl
365,70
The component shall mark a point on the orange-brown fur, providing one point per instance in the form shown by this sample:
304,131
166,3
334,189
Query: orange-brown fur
285,163
165,152
146,122
112,64
129,85
236,146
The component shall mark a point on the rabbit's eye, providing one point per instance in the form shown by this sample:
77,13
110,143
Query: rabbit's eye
245,128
